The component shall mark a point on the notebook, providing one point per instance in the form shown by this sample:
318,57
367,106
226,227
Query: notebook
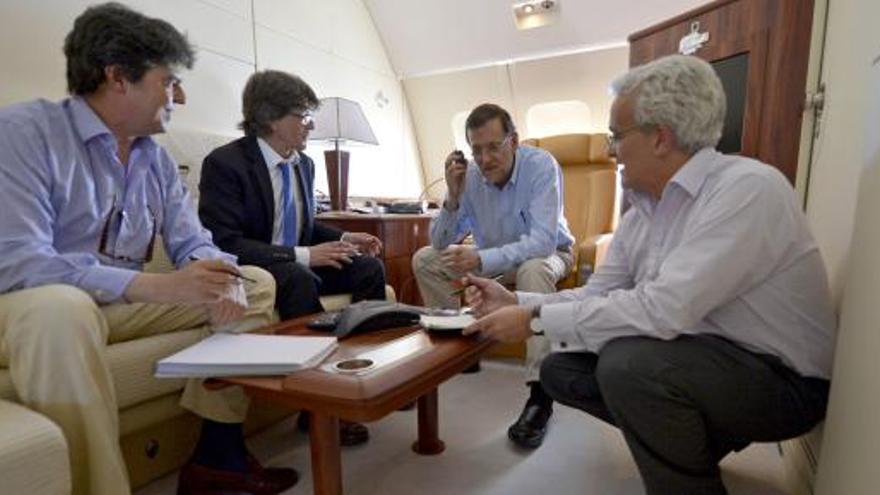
224,354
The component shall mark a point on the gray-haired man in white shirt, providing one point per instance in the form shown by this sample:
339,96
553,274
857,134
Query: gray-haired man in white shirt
710,324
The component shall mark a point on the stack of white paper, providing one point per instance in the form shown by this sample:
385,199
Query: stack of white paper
456,322
246,354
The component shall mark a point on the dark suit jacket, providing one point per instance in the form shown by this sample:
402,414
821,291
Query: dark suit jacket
237,204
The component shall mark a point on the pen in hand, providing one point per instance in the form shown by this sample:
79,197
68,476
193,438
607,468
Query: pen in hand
460,291
230,272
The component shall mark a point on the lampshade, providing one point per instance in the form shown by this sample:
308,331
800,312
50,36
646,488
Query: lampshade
340,119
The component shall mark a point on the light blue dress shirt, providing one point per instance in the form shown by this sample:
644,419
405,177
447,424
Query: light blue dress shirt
512,224
60,179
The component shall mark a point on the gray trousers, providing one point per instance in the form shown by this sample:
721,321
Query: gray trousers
682,405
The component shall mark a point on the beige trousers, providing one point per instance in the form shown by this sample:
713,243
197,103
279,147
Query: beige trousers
54,340
534,275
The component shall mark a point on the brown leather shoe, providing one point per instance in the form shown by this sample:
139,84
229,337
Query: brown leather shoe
195,479
350,433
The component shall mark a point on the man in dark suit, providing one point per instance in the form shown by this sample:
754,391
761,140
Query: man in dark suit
257,198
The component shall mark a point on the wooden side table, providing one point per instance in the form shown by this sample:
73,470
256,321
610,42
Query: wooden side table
401,235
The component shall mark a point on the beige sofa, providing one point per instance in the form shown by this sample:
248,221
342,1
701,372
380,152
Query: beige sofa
156,434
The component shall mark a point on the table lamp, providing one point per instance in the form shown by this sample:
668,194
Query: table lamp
338,120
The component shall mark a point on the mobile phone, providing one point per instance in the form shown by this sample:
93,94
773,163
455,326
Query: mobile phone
458,157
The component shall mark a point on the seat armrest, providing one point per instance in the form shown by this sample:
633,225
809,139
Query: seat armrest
590,255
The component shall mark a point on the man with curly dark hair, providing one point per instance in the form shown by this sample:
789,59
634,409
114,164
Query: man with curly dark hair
87,192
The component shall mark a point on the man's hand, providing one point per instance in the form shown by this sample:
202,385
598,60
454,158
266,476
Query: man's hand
456,169
367,244
460,258
333,254
230,307
508,324
485,295
200,282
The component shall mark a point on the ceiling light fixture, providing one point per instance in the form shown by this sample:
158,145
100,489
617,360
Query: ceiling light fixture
535,13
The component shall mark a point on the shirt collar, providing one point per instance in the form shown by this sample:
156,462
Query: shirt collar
86,121
272,158
690,178
89,126
693,173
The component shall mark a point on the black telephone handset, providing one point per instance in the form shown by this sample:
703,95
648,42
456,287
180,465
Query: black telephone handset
458,157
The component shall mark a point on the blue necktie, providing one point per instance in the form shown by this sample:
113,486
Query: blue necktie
288,210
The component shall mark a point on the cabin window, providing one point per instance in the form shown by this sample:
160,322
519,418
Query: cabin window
558,117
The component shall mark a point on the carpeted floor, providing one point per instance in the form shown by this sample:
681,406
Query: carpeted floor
580,455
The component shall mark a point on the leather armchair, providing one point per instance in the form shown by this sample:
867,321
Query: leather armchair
590,197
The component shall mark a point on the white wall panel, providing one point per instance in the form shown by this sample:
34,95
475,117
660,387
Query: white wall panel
582,77
332,44
379,170
31,48
218,29
240,8
213,95
388,169
356,39
279,51
308,21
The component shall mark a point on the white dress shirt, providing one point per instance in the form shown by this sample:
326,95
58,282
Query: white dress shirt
725,251
272,159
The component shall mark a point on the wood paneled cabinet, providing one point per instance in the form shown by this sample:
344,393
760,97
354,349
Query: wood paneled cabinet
775,37
401,235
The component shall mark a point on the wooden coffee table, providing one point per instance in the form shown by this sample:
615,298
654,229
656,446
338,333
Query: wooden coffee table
416,363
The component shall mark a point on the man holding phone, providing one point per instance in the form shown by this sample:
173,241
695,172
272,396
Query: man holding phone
509,198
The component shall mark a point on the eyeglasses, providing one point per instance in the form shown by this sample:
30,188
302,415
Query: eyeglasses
119,215
493,148
615,137
172,81
305,118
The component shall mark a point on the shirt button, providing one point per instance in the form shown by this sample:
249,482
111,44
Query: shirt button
563,345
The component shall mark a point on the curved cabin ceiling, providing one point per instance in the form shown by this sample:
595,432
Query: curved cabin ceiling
432,36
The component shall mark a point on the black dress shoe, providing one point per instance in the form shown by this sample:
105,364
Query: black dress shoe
196,479
529,430
350,433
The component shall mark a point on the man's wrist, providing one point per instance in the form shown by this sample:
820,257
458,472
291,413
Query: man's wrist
535,320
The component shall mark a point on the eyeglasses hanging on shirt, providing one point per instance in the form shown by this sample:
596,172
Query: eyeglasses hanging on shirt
121,237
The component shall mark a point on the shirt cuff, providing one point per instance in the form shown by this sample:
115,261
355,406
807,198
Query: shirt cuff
447,221
302,255
106,284
491,261
559,323
208,253
529,298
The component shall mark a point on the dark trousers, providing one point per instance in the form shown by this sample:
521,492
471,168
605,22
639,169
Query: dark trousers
298,287
682,405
